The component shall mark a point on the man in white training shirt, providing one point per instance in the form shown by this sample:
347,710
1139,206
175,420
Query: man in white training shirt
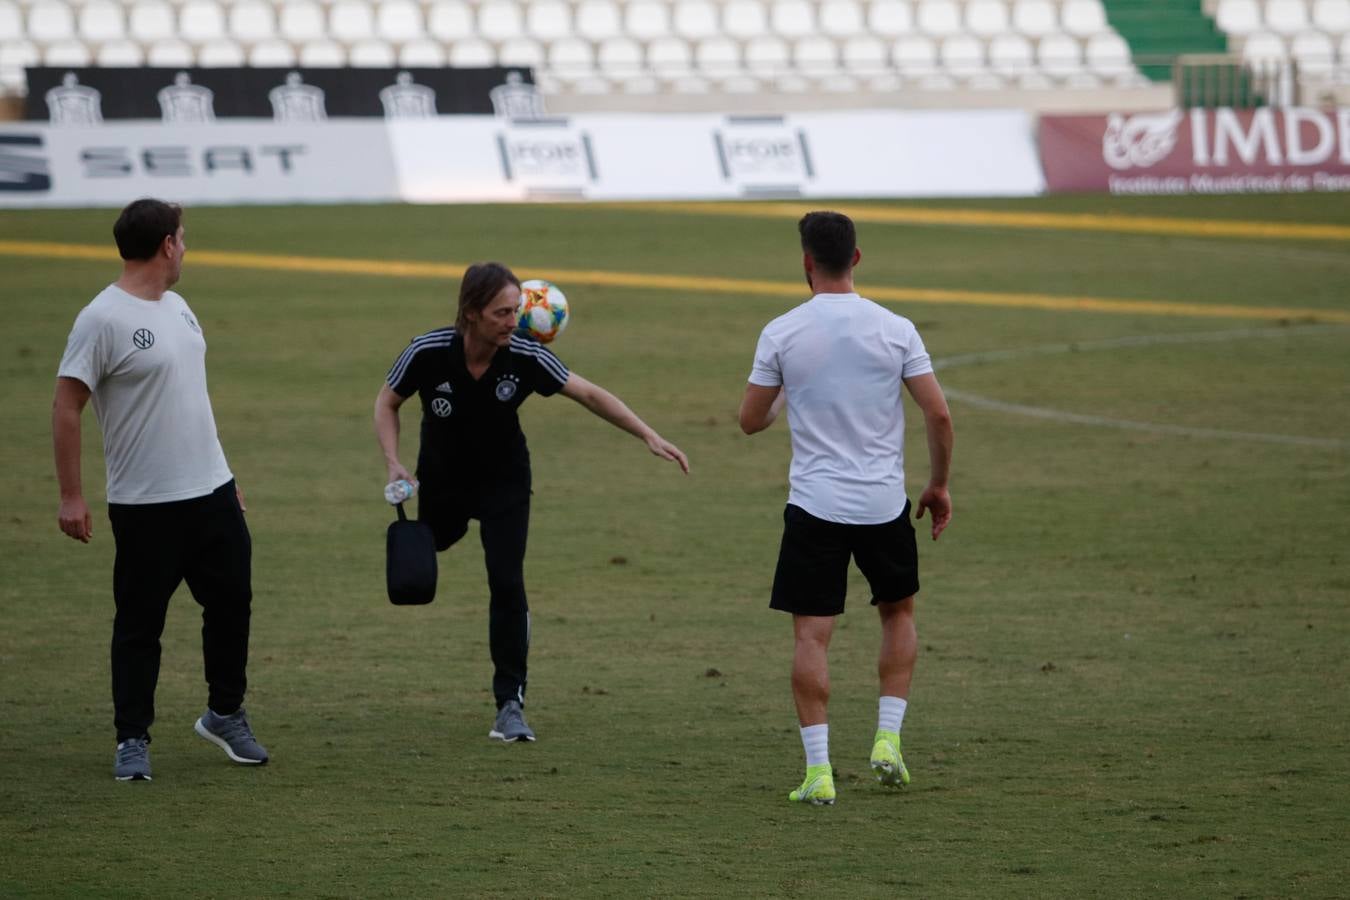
839,361
138,352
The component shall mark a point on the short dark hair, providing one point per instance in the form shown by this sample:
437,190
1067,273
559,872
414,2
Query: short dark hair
143,226
830,239
481,282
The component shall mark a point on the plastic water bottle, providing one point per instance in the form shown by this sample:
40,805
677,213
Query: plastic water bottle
395,492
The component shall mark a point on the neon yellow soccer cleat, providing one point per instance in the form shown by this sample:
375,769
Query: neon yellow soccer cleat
887,763
818,788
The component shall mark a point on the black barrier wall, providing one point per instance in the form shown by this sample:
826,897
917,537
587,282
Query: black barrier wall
78,96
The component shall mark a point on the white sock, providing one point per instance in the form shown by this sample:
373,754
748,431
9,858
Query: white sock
816,741
890,713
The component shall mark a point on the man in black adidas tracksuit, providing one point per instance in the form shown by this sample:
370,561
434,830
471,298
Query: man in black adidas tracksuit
473,462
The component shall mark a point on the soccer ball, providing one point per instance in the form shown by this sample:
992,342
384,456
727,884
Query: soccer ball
543,310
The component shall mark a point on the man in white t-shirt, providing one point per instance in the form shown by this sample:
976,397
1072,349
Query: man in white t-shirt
839,361
137,350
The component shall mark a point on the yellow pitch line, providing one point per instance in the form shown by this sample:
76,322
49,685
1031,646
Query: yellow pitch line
691,283
918,215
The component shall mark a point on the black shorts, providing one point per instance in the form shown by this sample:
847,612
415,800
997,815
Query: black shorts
812,574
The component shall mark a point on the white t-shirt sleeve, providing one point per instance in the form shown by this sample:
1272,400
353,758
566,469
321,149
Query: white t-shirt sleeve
767,370
912,352
86,356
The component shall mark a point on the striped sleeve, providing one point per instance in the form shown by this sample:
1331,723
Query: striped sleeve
403,376
549,372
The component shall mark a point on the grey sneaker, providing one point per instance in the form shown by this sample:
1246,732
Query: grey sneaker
233,735
132,762
510,725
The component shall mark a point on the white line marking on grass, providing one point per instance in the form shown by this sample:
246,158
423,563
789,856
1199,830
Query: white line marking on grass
1055,415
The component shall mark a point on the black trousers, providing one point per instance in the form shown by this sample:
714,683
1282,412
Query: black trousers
503,530
205,542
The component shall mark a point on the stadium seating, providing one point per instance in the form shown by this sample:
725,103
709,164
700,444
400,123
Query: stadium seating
643,46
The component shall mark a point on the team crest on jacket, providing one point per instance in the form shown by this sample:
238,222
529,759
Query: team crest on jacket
441,407
506,387
192,323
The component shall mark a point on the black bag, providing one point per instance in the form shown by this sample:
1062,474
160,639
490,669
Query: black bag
410,564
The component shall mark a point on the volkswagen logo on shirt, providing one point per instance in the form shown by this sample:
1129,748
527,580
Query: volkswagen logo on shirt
144,339
506,388
441,407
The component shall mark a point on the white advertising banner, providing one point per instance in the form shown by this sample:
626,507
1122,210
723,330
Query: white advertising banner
638,156
258,161
465,159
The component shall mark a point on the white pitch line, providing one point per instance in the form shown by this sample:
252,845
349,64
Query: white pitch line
1055,415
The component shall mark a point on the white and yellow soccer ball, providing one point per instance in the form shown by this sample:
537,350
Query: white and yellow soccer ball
543,310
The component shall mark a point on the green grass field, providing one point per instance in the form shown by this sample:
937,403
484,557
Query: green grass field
1134,661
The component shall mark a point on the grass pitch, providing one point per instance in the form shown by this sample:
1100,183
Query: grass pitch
1133,665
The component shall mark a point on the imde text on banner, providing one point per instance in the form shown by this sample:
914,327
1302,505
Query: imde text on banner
1199,151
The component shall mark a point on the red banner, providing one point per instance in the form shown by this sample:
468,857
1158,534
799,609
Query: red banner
1198,151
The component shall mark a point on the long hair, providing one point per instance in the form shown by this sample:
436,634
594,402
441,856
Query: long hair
481,282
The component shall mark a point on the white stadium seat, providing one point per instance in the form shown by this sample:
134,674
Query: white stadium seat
890,18
815,56
1083,18
619,58
1238,17
302,20
987,18
695,19
598,20
1035,18
646,19
1286,16
350,20
938,17
14,56
792,18
422,53
120,53
718,57
50,20
745,18
323,54
1108,55
102,20
1011,54
201,20
524,52
1315,53
865,54
548,19
1264,45
1332,16
450,20
170,52
767,55
68,52
372,53
221,52
1059,55
842,18
915,55
670,57
11,21
571,55
252,21
962,55
399,20
472,52
273,52
500,19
